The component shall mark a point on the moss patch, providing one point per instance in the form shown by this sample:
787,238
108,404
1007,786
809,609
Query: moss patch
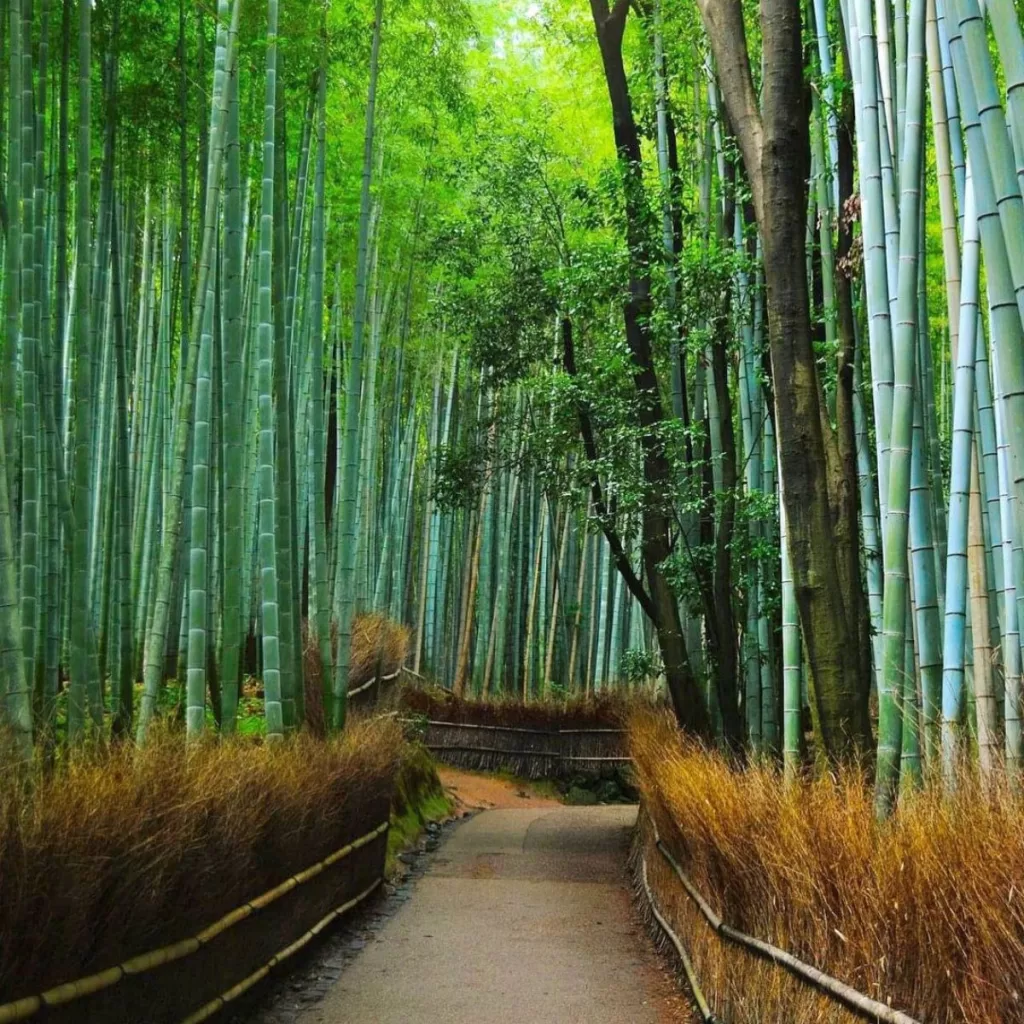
418,799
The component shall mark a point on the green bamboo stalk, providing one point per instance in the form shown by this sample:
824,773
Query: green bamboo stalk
556,602
868,509
572,674
17,707
174,506
30,424
1011,648
992,160
233,462
290,645
894,603
765,627
122,674
199,560
203,503
985,704
925,604
353,385
435,570
41,263
12,253
319,587
495,666
268,492
84,672
428,553
910,756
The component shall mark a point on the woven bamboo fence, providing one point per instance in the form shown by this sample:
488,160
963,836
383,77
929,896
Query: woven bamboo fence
532,753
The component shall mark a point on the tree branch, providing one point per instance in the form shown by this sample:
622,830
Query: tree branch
622,562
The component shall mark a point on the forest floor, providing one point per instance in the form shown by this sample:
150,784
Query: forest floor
488,791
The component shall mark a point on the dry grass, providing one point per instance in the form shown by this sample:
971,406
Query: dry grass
602,712
377,643
126,850
925,912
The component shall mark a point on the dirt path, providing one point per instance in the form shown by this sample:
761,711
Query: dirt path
478,791
522,916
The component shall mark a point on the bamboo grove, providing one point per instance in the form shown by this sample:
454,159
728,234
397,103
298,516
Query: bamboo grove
598,343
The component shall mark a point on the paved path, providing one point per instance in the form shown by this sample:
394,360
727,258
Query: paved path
523,917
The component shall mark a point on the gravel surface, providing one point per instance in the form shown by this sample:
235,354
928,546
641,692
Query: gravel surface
524,916
521,914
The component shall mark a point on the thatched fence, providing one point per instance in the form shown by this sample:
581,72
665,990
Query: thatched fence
533,741
529,753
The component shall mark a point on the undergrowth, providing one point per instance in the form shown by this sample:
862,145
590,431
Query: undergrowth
378,645
121,850
924,912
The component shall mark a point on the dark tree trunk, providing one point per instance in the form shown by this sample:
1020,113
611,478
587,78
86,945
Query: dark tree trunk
687,698
677,248
723,653
775,147
847,497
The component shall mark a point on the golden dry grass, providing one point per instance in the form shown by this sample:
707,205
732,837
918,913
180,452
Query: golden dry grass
377,643
925,912
124,850
603,711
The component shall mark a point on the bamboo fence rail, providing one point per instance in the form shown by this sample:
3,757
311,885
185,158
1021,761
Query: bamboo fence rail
530,752
832,988
73,991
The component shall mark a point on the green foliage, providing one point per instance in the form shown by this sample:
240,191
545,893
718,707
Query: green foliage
637,665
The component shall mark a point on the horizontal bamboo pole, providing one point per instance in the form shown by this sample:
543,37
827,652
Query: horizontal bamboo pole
578,757
858,1003
463,748
215,1005
518,728
492,728
703,1008
373,682
591,732
23,1009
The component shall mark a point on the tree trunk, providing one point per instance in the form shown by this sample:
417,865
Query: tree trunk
846,488
687,698
722,632
775,147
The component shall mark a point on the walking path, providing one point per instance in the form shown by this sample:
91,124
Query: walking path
523,917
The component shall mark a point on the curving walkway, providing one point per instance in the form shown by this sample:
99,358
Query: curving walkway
523,917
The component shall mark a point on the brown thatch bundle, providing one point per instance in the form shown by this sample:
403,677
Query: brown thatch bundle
605,710
921,911
532,740
378,645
